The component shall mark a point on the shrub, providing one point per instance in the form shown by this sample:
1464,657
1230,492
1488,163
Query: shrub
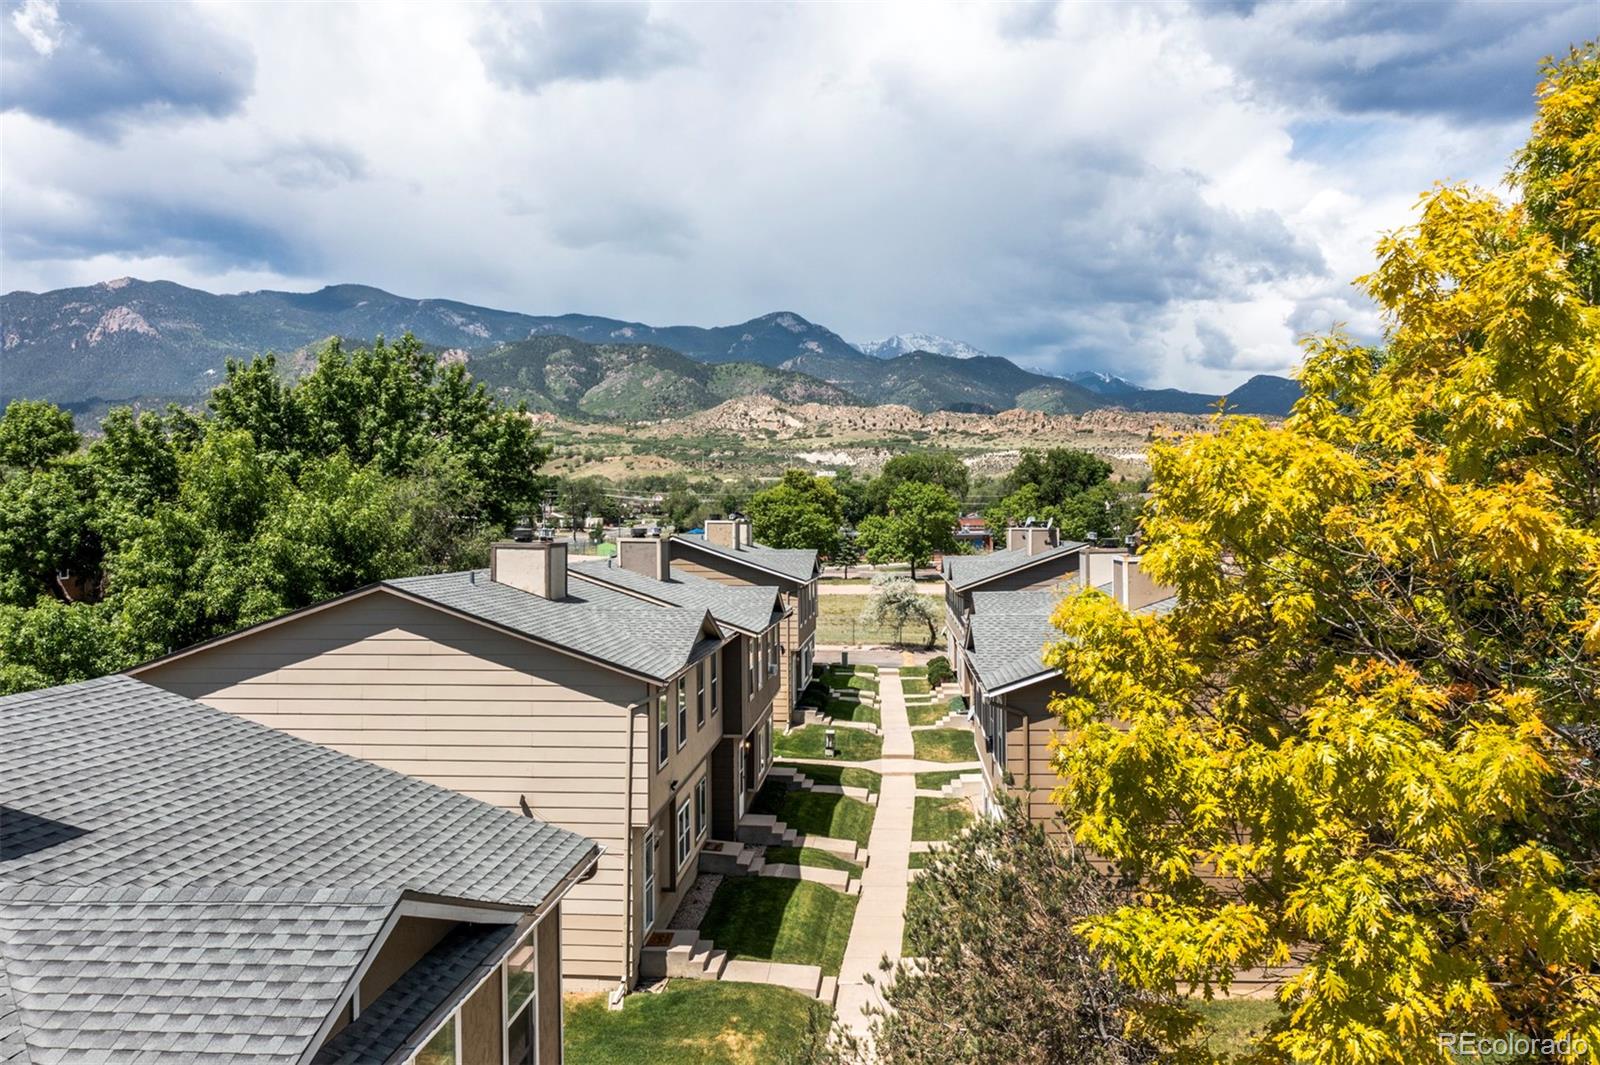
939,671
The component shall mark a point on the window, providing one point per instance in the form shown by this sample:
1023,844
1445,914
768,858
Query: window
716,684
661,728
702,804
700,695
685,837
683,710
521,987
773,650
651,856
765,747
441,1049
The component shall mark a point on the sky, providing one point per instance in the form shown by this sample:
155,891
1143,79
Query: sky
1170,192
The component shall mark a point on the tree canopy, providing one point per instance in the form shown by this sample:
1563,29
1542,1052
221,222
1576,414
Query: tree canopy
942,468
169,529
1366,738
1070,487
800,511
920,521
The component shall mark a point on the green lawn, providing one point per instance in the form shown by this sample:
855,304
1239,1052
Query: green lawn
851,710
914,686
811,856
926,713
913,671
815,694
837,816
692,1022
939,778
945,745
850,682
920,859
1234,1023
939,818
777,919
912,890
855,745
839,622
844,775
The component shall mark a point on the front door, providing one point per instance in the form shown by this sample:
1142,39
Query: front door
738,781
651,843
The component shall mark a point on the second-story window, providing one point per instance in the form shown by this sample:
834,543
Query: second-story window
716,686
683,710
661,728
700,696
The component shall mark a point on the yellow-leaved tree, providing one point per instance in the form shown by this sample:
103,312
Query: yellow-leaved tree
1366,739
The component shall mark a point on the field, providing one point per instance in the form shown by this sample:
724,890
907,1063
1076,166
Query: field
839,622
690,1023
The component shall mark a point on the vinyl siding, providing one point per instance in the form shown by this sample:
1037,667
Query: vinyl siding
1030,726
461,706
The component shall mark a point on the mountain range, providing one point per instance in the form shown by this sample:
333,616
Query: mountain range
126,340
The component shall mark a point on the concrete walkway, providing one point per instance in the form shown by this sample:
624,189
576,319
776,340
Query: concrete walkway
881,913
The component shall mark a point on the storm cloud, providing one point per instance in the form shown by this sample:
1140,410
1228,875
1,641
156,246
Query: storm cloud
1174,194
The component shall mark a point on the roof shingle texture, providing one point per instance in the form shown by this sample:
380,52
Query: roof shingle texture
793,563
597,622
177,883
964,571
750,608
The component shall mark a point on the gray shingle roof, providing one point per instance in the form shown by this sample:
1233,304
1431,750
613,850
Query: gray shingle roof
750,608
381,1032
180,883
1041,601
793,563
1007,648
964,571
594,621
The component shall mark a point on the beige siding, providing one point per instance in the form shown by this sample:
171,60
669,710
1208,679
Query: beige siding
457,704
1031,726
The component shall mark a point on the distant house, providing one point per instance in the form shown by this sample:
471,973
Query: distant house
1011,687
180,884
727,554
973,530
1034,557
585,704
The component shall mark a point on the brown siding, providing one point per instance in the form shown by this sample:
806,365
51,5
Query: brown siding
1031,727
549,1007
1045,575
458,705
410,939
482,1029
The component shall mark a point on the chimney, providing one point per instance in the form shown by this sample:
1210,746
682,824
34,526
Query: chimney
743,536
722,532
646,551
1131,586
535,565
1031,537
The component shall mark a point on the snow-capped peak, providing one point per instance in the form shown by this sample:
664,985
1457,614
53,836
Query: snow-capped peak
904,343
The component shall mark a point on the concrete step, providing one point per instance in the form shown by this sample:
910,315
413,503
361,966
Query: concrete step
838,879
828,992
765,830
726,857
806,979
844,848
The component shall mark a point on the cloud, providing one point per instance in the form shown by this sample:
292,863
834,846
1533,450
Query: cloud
1143,189
529,46
94,67
311,164
1469,61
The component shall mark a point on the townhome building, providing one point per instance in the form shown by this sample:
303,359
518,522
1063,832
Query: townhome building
180,884
1012,688
1034,557
727,554
524,686
751,618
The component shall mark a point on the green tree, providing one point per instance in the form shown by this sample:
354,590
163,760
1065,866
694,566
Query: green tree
1058,473
799,511
894,602
1367,734
1000,978
942,468
921,521
33,432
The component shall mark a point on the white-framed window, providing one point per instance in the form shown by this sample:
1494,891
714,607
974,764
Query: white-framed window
716,684
764,748
651,856
702,806
685,836
773,650
700,694
443,1047
521,987
662,740
683,711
